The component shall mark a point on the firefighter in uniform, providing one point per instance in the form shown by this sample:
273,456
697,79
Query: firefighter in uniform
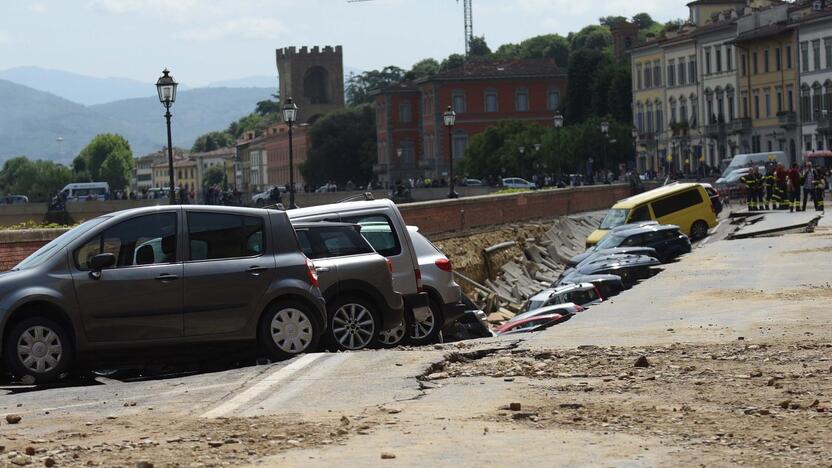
820,187
780,189
768,181
753,191
794,188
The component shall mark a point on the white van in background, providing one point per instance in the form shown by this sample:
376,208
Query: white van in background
744,160
86,191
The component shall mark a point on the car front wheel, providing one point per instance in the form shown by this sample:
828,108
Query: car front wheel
38,347
288,329
427,331
353,324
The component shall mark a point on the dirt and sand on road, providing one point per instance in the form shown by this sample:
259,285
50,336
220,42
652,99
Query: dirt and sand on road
741,403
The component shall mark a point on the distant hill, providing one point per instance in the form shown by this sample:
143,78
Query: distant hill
31,121
247,82
85,90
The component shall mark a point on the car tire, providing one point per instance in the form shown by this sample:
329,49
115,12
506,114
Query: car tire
699,230
287,329
38,347
427,331
354,324
395,337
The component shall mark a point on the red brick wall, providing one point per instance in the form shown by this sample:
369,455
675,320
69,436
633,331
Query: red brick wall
12,253
466,213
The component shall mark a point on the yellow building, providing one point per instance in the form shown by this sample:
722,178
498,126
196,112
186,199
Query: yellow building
768,79
647,61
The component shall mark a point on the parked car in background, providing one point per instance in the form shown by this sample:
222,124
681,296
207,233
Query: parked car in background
518,183
356,282
384,228
666,239
219,275
14,200
631,268
472,183
584,295
686,205
438,281
265,198
596,252
87,191
608,285
531,324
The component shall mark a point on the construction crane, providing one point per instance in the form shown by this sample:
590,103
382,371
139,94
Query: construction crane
469,21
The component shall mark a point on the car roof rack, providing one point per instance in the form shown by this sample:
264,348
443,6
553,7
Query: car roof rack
366,196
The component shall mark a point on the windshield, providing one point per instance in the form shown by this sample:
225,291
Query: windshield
615,217
610,241
47,251
533,305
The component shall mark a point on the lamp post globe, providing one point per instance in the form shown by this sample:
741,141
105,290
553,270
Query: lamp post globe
166,88
290,115
558,120
450,120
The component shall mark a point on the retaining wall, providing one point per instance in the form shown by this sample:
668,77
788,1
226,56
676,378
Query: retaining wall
432,217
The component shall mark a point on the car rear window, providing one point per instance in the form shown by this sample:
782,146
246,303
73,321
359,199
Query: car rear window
677,202
213,236
582,296
379,232
332,241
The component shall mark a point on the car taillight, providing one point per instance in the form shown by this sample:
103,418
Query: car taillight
389,265
418,274
445,265
312,273
579,308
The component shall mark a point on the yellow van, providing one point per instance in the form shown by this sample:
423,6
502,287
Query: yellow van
685,205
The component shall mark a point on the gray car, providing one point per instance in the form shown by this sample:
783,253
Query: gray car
356,282
147,278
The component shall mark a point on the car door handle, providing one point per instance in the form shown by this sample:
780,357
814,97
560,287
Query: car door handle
256,270
166,277
322,269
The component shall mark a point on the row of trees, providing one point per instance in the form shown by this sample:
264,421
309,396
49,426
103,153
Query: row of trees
514,147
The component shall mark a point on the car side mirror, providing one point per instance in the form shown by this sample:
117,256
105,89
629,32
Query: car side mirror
102,261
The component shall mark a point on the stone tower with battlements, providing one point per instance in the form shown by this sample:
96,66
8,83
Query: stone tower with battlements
314,78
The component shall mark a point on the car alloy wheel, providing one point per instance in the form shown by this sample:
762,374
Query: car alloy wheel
699,230
39,349
291,330
392,337
353,326
423,329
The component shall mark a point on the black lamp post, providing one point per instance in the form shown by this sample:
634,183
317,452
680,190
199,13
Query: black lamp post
635,147
558,121
166,87
290,114
450,120
605,130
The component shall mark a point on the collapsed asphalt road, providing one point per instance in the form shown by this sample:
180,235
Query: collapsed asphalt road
737,355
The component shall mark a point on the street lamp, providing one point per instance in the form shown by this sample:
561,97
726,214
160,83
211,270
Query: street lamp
290,115
450,120
166,87
605,130
558,120
634,134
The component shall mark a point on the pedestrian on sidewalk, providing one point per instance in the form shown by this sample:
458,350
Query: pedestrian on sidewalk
820,187
794,188
808,180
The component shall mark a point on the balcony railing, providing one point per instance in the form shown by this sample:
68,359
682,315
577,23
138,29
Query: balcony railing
741,125
716,129
787,119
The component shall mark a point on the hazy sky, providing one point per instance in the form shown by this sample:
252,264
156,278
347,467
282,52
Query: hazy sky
210,40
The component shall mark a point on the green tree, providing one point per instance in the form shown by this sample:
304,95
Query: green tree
547,46
423,69
268,106
91,159
212,141
478,47
453,61
36,179
359,86
342,147
595,37
611,20
507,51
583,67
497,150
213,176
643,20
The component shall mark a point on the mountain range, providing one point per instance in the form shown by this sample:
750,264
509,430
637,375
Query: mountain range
33,121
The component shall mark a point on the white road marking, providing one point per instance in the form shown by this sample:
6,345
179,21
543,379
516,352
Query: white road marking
269,381
295,387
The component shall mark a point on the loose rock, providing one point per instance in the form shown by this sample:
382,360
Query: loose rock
642,362
387,456
13,418
515,406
